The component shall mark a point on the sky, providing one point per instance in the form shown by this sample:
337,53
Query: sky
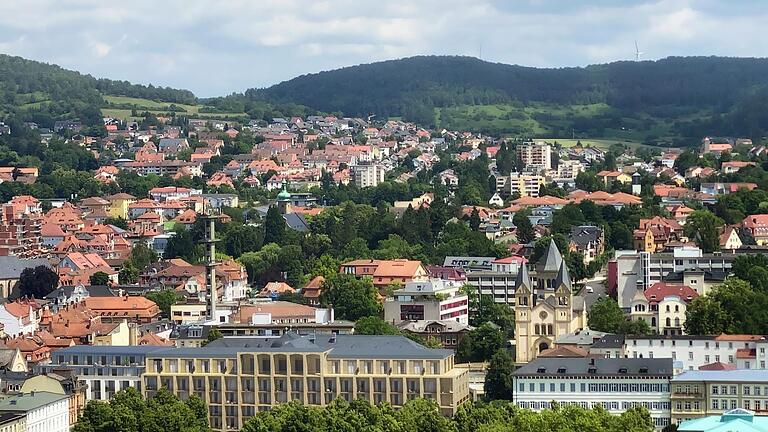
216,47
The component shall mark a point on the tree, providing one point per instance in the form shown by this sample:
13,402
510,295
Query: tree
213,334
274,226
474,219
128,273
142,256
480,344
164,299
706,316
374,325
36,282
606,316
704,226
99,278
241,239
524,229
183,245
351,298
498,380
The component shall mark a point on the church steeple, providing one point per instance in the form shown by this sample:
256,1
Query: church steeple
563,277
523,278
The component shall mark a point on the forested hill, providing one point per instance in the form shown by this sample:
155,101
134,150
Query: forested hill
43,92
412,87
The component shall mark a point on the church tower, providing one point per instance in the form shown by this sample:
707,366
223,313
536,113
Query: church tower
523,309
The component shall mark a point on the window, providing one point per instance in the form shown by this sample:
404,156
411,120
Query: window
690,355
715,390
746,390
715,404
706,359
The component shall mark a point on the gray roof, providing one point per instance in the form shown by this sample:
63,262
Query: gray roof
583,235
6,356
171,142
551,260
340,346
523,277
296,222
597,367
563,277
419,326
737,375
580,337
11,266
108,350
610,341
29,401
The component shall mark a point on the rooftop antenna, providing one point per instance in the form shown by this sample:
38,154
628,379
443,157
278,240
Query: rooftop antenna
480,51
638,53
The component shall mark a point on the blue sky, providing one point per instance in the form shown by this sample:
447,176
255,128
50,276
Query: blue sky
216,47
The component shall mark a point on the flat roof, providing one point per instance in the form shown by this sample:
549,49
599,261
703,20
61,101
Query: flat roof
30,401
735,375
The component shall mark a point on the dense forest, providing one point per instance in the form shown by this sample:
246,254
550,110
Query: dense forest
673,88
44,93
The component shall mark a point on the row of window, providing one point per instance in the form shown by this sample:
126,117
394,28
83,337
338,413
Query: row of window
594,387
746,390
612,405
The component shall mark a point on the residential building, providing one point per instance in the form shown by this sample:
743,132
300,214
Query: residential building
104,369
447,332
689,265
237,377
663,307
386,272
697,394
367,174
432,299
10,421
531,155
654,234
45,412
691,352
589,241
757,225
615,384
525,185
20,222
610,177
499,282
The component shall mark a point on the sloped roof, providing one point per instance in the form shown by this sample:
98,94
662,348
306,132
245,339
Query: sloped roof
551,260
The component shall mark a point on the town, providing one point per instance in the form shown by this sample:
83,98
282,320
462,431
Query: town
246,265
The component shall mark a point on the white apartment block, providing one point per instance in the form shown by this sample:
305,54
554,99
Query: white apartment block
615,384
537,154
45,412
433,299
367,175
689,353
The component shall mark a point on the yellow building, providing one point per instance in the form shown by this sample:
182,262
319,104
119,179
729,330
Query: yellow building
190,311
545,309
526,185
696,394
238,377
13,422
118,205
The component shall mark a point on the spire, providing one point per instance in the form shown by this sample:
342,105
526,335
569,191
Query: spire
563,277
551,261
523,278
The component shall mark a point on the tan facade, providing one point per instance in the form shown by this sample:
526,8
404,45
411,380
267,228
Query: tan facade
702,396
15,423
237,385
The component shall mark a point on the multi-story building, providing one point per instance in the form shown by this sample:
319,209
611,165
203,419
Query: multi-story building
13,422
663,307
20,223
433,299
237,377
500,281
634,271
386,272
45,412
688,353
104,369
698,394
367,174
538,154
522,184
615,384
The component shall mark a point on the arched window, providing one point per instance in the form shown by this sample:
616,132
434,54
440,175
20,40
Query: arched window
669,322
677,308
667,308
549,329
653,321
677,322
536,329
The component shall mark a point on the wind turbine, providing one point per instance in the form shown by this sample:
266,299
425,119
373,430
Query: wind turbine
638,53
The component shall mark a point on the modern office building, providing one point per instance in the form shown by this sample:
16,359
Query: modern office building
697,394
433,299
237,377
104,369
614,384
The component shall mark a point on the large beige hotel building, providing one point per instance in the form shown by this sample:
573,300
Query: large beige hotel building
239,376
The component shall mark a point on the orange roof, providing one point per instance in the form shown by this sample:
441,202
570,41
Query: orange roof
739,338
275,287
128,306
528,201
746,353
656,292
278,310
152,339
397,268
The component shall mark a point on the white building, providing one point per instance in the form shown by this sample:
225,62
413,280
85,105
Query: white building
615,384
46,412
367,175
569,169
537,154
433,299
692,352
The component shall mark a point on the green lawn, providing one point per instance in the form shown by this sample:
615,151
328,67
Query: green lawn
156,107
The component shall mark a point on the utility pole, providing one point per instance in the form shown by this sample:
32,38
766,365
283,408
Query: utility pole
210,262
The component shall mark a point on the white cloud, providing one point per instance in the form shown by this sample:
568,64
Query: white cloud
216,47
